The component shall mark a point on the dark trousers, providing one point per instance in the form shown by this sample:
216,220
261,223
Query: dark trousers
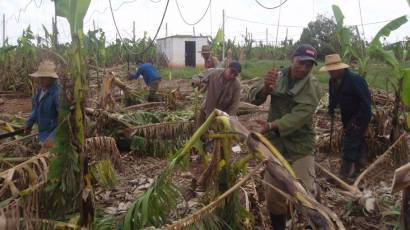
153,88
353,143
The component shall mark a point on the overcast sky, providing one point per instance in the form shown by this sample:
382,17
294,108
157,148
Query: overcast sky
294,15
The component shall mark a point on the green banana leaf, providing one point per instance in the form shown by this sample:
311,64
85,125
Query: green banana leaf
387,55
338,15
388,28
219,36
74,11
343,34
406,86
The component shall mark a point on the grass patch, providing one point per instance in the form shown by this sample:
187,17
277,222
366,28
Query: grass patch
377,77
179,73
258,68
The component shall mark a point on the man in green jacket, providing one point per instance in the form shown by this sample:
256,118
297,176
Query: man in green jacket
294,95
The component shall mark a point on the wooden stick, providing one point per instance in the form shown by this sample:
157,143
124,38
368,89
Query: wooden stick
353,190
376,162
139,106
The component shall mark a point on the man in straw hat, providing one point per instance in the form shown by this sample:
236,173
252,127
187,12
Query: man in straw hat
45,104
350,92
294,95
210,61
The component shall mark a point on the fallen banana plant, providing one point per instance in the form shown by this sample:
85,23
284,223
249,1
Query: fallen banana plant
107,101
21,211
144,212
365,198
22,185
112,116
166,130
320,216
11,218
208,209
142,106
133,95
160,138
103,148
3,145
30,172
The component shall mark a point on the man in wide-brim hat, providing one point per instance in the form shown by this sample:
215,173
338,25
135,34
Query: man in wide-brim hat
45,104
210,61
349,92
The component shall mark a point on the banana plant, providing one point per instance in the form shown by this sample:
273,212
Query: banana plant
74,11
400,79
154,206
363,56
94,44
406,92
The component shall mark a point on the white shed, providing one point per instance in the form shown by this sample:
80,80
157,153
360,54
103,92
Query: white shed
182,50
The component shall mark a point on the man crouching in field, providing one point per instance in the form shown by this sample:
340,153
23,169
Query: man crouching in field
294,96
45,105
223,91
151,78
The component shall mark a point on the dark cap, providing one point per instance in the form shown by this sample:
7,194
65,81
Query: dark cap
235,66
306,52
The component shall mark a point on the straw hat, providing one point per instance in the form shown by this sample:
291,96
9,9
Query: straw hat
333,62
46,68
205,49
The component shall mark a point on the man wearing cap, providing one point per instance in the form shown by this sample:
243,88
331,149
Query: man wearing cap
294,95
151,78
45,104
350,92
223,91
210,61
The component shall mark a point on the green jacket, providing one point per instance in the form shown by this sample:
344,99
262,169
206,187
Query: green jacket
292,109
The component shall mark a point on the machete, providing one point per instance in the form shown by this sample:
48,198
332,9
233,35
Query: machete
10,134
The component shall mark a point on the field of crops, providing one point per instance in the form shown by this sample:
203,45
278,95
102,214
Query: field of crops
121,161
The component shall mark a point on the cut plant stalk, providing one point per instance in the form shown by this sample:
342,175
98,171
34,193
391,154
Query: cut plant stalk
264,151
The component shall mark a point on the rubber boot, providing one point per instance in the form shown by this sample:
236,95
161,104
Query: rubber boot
278,221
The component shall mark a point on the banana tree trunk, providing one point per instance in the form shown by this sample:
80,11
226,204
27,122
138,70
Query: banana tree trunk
79,72
405,210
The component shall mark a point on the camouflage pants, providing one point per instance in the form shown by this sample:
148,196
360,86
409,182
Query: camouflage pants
153,88
305,172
